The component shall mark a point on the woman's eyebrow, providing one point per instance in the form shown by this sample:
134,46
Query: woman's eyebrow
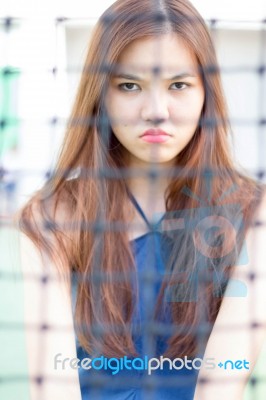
127,76
137,78
183,76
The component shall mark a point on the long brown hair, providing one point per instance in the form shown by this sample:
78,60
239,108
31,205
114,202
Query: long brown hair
81,221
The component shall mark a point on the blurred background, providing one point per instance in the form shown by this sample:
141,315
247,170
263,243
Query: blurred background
42,49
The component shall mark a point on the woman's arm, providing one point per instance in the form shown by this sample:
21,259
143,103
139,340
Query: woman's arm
239,331
48,327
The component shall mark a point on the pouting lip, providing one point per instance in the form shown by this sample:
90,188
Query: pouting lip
155,132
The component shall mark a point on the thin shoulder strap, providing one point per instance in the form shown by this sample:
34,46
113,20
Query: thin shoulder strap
140,211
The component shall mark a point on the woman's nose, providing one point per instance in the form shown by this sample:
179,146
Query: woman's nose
155,107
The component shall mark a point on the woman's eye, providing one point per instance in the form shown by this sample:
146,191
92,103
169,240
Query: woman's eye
180,85
128,87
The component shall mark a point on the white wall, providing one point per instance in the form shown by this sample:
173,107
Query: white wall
240,53
36,47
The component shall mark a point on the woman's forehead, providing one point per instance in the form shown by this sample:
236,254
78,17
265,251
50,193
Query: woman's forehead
138,73
166,54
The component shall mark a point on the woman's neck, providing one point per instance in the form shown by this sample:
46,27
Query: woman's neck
150,197
150,191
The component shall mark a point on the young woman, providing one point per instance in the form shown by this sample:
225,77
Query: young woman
143,229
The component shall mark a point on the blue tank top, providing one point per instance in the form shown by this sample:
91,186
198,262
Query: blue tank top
120,382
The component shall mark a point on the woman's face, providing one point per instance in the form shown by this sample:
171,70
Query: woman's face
156,90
